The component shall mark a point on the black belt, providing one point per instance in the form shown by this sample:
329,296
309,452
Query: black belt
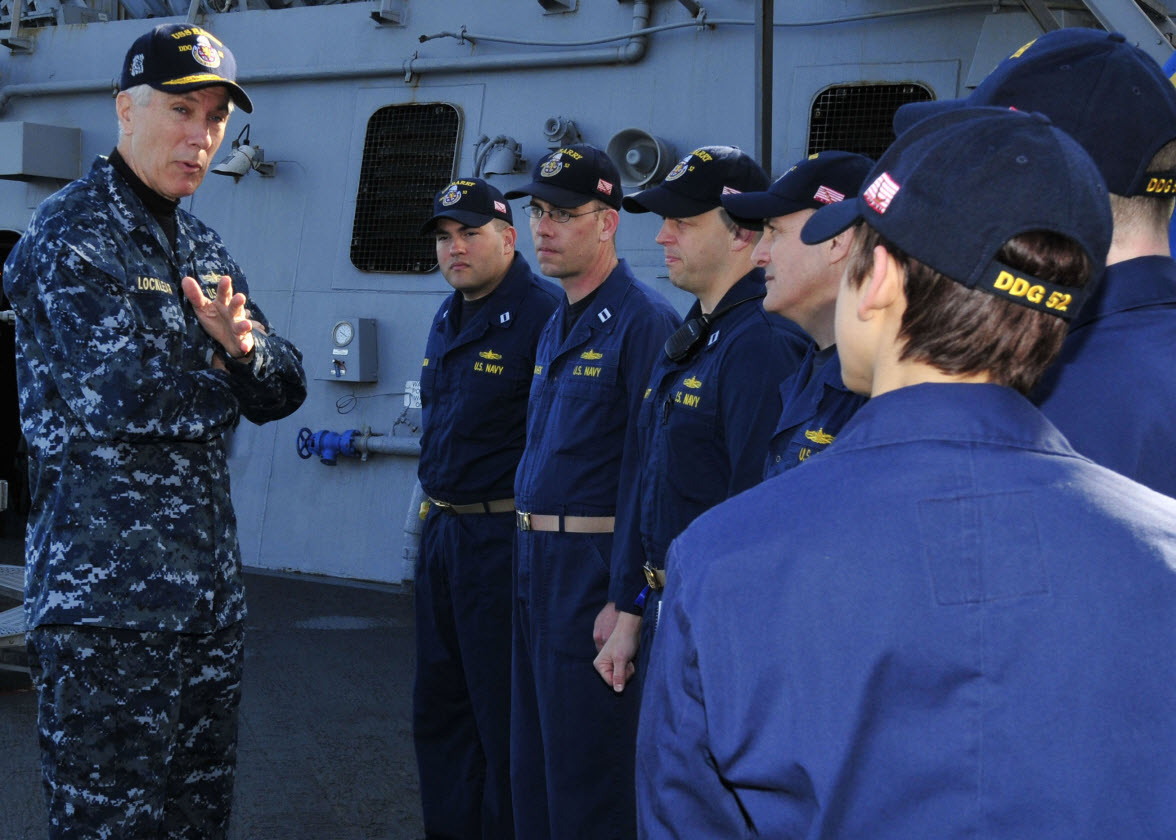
496,506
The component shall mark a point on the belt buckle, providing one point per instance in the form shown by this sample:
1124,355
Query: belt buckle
523,519
651,577
442,505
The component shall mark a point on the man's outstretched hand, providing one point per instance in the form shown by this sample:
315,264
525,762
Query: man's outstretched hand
224,317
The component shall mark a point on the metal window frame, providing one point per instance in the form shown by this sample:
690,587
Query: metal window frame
389,207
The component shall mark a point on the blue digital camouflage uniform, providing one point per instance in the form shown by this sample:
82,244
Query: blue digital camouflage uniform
1112,389
474,385
700,434
816,405
131,525
974,642
572,737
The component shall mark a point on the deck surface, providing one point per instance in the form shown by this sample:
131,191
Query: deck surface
326,729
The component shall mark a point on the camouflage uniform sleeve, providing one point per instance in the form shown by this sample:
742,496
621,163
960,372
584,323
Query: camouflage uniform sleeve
123,362
270,384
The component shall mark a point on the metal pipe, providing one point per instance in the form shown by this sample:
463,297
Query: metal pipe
630,53
369,444
57,88
414,526
764,43
463,35
353,443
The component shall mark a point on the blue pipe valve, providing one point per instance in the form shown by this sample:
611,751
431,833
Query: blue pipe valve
328,445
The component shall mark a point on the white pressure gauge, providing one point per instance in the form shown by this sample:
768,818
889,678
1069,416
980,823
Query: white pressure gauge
342,333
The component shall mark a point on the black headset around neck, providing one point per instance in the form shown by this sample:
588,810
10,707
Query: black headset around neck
689,338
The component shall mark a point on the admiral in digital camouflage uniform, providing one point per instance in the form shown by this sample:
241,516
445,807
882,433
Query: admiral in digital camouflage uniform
133,593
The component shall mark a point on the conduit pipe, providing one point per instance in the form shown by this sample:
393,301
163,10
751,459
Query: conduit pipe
414,526
629,53
353,443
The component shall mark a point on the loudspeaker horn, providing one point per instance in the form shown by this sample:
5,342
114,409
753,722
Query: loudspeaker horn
641,157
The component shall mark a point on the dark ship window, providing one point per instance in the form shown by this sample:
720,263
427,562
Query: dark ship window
857,118
408,155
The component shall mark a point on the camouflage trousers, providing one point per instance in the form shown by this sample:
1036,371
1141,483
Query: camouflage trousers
138,731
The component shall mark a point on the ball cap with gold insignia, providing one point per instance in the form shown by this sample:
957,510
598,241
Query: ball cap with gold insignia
470,201
698,183
1110,96
955,187
572,176
820,179
178,57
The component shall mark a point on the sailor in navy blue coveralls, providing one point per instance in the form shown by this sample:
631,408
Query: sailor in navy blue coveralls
1112,390
816,406
708,411
702,429
572,738
1109,392
802,285
966,644
894,691
474,384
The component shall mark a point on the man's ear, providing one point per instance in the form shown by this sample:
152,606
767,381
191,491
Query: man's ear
884,286
838,248
509,237
744,238
610,220
123,104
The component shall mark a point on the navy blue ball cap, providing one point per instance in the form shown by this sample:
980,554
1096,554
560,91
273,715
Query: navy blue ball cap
470,201
1109,95
178,57
698,182
953,189
574,175
820,179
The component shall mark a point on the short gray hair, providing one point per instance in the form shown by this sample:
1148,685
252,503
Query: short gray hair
141,95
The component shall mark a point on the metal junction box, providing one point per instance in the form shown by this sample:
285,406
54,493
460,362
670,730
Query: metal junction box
351,355
31,150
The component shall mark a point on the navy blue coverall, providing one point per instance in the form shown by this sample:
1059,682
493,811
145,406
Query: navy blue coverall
964,630
816,404
474,384
572,738
701,434
1112,390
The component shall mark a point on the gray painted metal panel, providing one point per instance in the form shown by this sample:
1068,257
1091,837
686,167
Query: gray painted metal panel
316,75
1127,17
31,150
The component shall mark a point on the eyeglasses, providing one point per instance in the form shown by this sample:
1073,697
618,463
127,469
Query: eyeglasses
556,214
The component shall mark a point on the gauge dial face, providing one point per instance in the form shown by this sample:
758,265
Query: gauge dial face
343,333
